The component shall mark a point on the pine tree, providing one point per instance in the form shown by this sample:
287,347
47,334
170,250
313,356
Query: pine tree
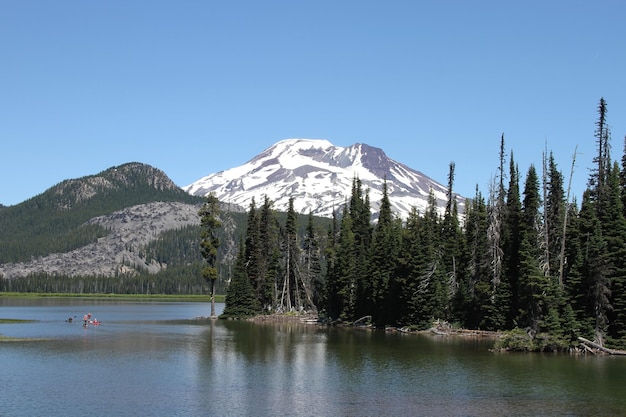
431,296
270,272
241,300
383,264
531,278
560,320
511,240
345,276
602,160
329,298
451,242
573,281
622,178
253,251
475,295
289,296
312,273
360,216
614,233
496,213
409,263
596,270
209,242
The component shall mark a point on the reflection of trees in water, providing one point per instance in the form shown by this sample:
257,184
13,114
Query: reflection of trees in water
267,342
295,369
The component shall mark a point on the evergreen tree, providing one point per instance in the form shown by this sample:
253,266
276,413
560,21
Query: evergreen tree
270,272
475,295
383,265
241,300
573,281
596,269
511,246
312,273
451,242
554,216
622,178
409,261
532,280
343,289
209,242
430,299
360,217
560,319
252,248
295,294
602,160
331,284
614,233
496,213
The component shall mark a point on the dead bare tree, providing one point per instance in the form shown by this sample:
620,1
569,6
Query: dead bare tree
569,187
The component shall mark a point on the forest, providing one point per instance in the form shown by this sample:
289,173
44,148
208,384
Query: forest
521,258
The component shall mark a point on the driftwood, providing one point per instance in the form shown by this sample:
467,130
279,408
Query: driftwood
362,319
588,343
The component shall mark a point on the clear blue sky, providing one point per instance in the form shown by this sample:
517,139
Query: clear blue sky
194,87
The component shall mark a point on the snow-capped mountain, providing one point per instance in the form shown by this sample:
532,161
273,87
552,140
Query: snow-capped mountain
319,177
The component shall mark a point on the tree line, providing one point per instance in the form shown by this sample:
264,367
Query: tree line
521,257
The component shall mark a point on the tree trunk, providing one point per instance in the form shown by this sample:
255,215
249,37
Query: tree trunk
601,348
213,299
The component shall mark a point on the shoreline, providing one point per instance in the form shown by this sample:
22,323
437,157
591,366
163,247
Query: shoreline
160,297
313,319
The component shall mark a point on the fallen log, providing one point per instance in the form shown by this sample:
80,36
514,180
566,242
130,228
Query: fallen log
589,343
362,319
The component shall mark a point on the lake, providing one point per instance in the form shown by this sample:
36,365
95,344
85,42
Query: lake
159,359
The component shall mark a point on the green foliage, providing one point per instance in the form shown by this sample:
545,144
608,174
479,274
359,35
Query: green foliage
241,300
182,280
209,240
54,221
519,340
501,266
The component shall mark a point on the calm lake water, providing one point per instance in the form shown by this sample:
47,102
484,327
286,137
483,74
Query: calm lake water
158,359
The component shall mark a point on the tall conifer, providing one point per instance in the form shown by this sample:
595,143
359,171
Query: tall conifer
241,300
531,278
383,264
511,236
209,242
312,269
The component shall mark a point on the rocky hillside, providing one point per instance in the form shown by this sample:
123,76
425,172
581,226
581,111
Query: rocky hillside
119,252
95,225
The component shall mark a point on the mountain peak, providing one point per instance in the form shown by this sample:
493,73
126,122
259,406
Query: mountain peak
132,174
319,176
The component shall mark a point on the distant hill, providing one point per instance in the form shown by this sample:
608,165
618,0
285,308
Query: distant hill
56,221
129,224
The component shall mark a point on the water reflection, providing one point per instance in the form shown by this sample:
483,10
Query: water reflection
158,359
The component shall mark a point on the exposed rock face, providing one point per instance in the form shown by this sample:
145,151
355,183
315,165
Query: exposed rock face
73,192
131,229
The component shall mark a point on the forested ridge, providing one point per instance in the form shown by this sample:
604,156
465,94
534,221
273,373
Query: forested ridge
55,221
524,257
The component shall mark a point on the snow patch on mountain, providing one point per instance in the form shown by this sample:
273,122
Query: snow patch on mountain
319,176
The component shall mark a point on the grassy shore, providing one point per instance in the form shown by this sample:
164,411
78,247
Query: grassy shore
140,297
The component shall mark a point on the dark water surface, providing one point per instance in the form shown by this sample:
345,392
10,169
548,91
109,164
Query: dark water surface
158,359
